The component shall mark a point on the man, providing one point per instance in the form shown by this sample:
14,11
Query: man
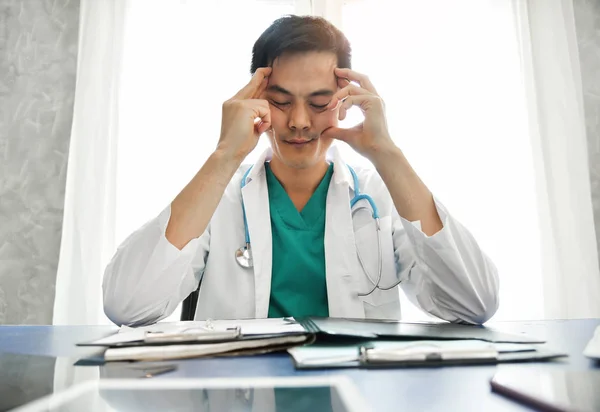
310,252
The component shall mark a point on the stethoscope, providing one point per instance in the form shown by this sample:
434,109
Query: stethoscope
243,255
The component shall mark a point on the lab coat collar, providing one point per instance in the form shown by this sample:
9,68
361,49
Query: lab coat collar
341,174
341,267
258,169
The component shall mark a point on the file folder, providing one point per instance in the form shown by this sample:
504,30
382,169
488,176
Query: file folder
390,329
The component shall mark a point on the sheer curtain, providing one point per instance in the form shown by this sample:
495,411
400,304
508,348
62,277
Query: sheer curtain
552,79
458,89
89,214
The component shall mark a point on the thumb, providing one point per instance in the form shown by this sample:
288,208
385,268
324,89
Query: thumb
337,133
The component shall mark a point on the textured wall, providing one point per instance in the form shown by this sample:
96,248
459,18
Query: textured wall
587,23
38,59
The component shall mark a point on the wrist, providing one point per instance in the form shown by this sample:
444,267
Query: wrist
384,155
228,158
227,154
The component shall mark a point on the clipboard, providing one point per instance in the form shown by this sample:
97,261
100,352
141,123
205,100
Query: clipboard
423,353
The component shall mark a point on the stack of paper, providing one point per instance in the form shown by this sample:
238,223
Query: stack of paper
180,340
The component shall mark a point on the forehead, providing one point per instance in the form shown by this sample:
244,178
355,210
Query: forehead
303,73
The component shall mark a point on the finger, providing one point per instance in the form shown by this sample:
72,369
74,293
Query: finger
342,114
345,93
364,102
362,79
346,105
262,127
255,83
342,82
338,133
260,92
262,112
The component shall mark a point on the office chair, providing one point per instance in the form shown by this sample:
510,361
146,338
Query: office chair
188,307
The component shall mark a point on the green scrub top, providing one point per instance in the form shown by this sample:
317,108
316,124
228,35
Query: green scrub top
298,286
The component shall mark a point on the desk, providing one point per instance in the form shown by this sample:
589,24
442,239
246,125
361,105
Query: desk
451,388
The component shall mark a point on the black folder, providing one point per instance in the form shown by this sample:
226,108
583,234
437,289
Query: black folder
344,328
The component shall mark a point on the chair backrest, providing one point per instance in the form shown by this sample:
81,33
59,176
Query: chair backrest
188,307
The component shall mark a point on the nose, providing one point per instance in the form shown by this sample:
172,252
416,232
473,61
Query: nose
299,119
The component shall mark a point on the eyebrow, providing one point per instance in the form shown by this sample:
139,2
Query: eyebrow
320,92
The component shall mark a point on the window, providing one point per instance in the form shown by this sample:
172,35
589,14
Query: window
448,72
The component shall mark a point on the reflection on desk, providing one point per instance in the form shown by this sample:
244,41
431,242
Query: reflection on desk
455,388
25,378
328,394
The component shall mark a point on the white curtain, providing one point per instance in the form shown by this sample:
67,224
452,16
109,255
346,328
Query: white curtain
472,102
89,214
552,79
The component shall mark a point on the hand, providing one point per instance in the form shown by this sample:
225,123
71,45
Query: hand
245,117
370,137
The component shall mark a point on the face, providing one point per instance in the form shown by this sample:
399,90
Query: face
300,87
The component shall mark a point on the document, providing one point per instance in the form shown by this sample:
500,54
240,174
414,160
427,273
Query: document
169,352
248,327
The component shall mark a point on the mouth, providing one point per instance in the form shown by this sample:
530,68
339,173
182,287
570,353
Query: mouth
299,142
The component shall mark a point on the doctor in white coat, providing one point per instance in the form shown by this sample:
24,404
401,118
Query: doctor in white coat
302,86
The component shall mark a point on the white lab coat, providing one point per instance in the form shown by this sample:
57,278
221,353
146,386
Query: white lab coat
446,275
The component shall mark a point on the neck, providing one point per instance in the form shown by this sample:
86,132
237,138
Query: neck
299,181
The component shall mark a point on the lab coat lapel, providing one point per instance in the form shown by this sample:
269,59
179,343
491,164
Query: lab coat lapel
256,201
341,262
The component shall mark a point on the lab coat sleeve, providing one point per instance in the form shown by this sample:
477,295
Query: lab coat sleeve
148,276
447,274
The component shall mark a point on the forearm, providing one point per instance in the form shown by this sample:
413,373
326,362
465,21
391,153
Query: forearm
412,198
194,206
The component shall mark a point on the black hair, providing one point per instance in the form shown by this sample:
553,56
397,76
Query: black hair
297,34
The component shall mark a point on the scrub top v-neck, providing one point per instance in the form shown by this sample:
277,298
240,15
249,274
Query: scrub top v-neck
298,286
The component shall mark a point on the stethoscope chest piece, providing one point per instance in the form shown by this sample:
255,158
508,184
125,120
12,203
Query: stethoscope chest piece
244,257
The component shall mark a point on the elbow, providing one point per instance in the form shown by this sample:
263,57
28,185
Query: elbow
466,311
125,315
489,295
484,311
120,305
113,299
482,306
115,314
480,296
465,305
114,309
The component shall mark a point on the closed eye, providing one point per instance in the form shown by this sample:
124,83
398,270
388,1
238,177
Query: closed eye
316,106
280,103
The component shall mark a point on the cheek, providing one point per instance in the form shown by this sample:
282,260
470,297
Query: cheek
327,119
278,118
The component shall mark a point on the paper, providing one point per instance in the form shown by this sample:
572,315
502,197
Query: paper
271,326
158,353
